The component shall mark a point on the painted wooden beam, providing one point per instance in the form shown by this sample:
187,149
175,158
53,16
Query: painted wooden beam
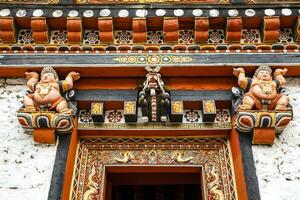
200,95
105,95
131,95
121,59
113,65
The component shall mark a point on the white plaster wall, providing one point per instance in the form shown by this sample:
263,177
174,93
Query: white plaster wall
278,166
25,167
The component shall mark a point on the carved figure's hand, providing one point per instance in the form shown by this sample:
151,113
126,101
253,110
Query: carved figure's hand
74,75
280,71
237,71
30,75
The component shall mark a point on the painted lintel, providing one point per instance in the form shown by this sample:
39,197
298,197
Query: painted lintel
142,59
131,95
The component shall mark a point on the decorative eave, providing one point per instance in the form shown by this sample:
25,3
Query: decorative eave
178,27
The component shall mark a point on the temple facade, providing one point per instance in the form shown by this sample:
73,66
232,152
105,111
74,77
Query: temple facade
150,99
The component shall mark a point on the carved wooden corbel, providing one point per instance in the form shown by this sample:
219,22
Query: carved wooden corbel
262,107
47,108
7,30
39,29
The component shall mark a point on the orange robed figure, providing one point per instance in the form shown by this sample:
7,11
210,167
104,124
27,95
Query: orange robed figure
46,93
261,91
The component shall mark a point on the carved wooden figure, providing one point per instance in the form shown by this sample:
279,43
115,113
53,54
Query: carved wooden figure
261,91
262,109
153,98
46,93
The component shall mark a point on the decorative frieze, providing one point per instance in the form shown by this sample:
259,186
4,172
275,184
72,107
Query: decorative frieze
96,156
94,11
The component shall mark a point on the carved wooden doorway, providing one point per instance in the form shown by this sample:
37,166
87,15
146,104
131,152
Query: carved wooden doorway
97,158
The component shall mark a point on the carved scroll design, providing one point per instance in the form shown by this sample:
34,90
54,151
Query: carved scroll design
125,157
92,185
214,184
178,156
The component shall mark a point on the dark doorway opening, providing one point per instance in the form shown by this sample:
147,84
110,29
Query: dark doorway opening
153,186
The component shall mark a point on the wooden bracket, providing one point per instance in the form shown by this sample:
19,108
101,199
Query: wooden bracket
177,111
270,29
130,111
106,29
263,136
7,30
234,29
170,29
44,135
201,29
74,28
39,29
139,28
297,30
97,112
209,110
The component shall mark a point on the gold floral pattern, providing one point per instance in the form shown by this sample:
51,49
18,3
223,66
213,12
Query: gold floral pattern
153,59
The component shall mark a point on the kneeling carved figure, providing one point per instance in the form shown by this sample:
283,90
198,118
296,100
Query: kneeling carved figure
46,93
261,91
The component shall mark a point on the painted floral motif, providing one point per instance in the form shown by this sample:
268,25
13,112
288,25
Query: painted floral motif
192,116
91,37
186,36
222,116
155,37
25,36
123,37
250,36
286,36
59,37
153,59
85,117
114,116
216,36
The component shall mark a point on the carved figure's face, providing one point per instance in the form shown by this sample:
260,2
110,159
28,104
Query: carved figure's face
48,78
264,76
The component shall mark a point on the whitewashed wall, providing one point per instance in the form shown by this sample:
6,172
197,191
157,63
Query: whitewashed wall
25,168
278,166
